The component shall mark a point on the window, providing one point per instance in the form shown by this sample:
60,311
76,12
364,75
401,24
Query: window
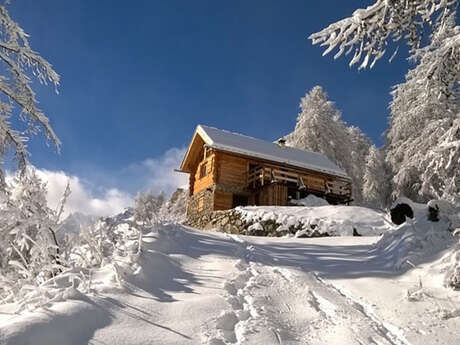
203,170
201,204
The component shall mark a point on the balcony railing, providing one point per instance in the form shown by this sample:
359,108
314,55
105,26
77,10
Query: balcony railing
263,175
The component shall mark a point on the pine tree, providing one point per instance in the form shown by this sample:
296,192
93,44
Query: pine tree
318,124
354,160
375,179
320,129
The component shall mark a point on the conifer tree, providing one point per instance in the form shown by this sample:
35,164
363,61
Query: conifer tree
375,179
318,124
320,129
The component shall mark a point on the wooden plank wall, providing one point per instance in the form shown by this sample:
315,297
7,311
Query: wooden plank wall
208,180
232,170
223,200
314,182
271,195
278,194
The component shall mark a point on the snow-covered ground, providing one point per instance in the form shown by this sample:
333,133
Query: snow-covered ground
200,287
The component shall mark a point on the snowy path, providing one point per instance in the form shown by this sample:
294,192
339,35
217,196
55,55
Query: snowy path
275,305
214,288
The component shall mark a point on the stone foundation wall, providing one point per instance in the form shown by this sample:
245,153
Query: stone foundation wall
231,221
208,200
193,203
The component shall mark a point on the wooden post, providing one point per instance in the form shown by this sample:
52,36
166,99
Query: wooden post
214,168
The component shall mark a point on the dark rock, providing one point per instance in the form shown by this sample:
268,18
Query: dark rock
356,233
400,212
433,213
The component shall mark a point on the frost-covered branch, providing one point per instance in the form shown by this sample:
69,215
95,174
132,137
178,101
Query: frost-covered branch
367,32
16,93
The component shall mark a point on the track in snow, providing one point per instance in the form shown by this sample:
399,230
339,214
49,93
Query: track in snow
278,305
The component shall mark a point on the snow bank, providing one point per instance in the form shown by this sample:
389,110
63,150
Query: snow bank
334,220
310,201
416,240
72,323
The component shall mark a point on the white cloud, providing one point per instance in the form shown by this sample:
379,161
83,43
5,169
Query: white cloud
82,198
156,174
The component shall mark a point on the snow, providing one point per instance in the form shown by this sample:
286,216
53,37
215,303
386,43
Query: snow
197,287
335,220
74,223
245,145
310,201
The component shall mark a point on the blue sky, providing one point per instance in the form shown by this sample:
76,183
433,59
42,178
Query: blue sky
138,76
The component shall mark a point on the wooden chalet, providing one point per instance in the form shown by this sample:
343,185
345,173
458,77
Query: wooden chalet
228,170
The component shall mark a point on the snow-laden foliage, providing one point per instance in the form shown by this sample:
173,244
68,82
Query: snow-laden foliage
318,125
147,207
29,251
354,160
151,208
367,32
453,273
16,94
320,128
174,210
423,139
38,266
375,179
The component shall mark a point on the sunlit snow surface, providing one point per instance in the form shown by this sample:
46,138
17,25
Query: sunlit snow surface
198,287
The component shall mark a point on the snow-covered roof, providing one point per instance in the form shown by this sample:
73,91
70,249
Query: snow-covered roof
253,147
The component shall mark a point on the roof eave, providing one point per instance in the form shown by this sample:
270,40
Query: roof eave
267,158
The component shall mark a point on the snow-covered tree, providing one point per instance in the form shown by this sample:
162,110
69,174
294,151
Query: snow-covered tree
421,147
441,178
148,207
375,180
354,159
174,210
422,156
29,251
320,128
16,95
367,32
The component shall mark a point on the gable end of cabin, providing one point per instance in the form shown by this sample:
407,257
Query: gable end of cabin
222,180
